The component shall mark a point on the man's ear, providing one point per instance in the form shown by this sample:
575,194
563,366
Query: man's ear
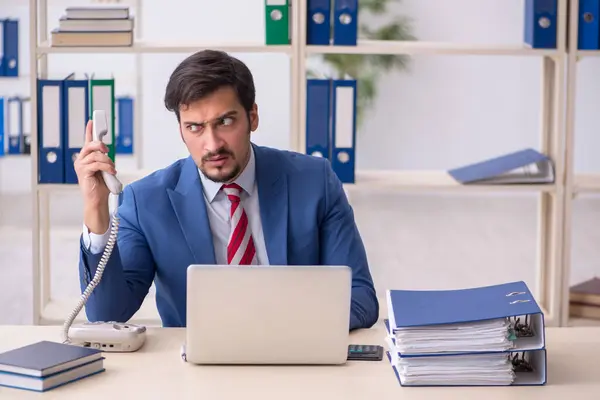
253,118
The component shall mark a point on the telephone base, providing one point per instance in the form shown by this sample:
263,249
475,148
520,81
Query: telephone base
115,337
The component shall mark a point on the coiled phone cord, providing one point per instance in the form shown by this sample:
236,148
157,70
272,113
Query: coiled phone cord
112,239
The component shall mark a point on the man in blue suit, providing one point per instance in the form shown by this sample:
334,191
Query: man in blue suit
229,202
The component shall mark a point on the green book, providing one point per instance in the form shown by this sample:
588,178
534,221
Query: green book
102,97
277,22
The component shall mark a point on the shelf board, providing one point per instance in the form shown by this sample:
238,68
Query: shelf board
159,48
126,178
433,180
589,183
432,48
57,311
588,53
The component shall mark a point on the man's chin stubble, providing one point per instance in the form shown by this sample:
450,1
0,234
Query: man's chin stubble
221,178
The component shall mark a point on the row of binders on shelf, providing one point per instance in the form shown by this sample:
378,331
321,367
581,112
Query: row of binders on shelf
94,27
9,47
63,110
483,336
331,123
335,22
15,125
331,133
541,24
329,22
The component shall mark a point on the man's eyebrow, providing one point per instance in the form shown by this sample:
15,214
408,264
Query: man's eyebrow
226,114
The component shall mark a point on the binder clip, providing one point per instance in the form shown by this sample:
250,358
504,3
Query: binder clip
521,364
522,329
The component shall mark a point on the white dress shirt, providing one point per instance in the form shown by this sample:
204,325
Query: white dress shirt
217,206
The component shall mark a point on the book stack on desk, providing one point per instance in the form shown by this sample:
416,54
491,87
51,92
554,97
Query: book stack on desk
46,365
584,299
94,26
485,336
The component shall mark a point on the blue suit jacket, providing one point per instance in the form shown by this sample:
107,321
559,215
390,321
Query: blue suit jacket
164,228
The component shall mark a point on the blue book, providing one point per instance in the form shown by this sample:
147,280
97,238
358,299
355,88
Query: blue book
46,365
490,336
528,368
523,166
509,308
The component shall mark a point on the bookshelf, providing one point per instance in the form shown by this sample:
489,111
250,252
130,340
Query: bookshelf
551,141
575,183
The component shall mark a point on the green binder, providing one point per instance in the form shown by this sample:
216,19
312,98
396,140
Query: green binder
277,22
102,97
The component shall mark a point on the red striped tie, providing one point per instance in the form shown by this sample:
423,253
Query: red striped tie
240,249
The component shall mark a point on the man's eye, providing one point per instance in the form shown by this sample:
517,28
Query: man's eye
194,128
227,121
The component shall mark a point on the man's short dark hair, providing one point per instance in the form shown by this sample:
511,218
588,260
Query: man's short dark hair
203,73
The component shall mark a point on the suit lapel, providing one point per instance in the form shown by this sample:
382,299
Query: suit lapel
273,200
188,203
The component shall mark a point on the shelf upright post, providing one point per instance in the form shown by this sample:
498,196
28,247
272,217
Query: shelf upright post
569,174
43,214
300,55
295,77
33,68
138,136
550,216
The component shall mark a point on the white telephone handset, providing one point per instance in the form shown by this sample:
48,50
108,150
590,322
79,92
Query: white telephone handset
106,336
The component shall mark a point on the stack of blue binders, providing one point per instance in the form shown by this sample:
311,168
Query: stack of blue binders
485,336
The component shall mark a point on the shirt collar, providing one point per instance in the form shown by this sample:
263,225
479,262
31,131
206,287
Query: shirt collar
245,180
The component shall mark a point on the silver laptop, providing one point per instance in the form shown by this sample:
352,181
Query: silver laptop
268,314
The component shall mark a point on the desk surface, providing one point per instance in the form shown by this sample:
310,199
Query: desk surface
157,371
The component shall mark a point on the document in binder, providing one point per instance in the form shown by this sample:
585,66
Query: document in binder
9,47
331,123
76,112
523,166
51,149
2,144
124,125
541,23
318,27
345,22
318,117
491,318
26,117
474,336
588,27
102,97
277,22
511,368
14,123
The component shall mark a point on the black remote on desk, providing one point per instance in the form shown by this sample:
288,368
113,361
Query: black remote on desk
365,352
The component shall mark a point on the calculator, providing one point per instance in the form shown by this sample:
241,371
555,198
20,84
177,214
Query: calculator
365,352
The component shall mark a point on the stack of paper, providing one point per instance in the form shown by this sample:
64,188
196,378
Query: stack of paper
491,335
469,369
476,336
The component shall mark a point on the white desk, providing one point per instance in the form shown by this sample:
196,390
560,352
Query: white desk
157,372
